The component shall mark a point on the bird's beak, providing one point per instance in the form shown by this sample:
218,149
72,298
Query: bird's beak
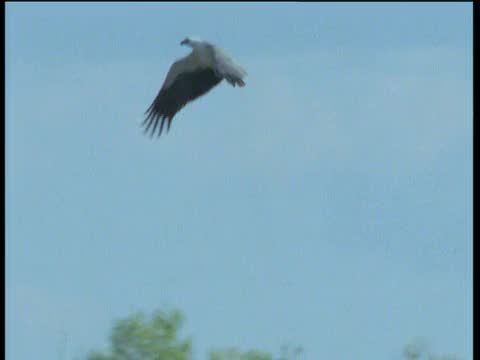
183,42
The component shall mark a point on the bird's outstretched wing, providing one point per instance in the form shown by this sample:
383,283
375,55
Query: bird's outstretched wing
183,84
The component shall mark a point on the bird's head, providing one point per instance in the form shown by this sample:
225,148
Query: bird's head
190,41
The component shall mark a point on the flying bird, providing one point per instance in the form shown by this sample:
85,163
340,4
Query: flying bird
189,78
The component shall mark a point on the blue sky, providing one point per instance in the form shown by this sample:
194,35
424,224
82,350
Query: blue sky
327,204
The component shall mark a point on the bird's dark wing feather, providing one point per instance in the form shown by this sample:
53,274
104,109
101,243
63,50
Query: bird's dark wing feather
186,87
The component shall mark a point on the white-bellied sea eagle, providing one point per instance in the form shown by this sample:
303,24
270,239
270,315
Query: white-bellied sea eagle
189,78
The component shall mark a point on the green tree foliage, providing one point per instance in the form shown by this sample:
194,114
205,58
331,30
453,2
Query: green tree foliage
234,354
286,353
418,350
156,338
139,338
